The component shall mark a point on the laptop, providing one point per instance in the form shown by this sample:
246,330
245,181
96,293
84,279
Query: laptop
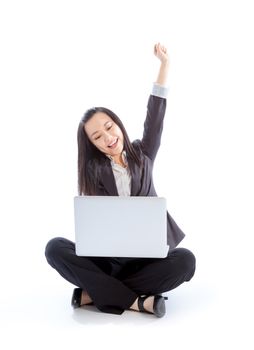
119,226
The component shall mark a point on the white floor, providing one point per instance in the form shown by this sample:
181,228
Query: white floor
213,311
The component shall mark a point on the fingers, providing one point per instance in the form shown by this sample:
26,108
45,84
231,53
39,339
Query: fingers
156,49
163,49
159,48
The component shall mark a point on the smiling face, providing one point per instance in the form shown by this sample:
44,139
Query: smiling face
105,134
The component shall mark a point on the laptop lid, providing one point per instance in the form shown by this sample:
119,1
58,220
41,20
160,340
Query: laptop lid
119,226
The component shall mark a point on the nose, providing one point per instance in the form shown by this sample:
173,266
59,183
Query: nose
107,137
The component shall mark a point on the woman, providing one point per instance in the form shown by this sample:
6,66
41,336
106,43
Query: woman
110,165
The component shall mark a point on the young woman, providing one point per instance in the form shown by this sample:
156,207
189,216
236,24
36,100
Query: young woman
110,165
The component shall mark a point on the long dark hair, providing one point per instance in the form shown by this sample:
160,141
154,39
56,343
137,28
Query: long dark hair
91,160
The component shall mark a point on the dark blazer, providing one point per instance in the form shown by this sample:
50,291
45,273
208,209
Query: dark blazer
142,181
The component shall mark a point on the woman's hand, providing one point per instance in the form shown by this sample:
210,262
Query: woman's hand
160,52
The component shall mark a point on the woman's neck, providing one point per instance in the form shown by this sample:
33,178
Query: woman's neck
119,159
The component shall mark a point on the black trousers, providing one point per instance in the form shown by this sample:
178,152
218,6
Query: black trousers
114,283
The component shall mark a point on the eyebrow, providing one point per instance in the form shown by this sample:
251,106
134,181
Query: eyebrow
109,121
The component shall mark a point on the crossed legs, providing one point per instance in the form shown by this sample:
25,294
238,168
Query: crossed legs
115,284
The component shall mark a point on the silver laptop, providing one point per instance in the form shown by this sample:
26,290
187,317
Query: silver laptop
119,226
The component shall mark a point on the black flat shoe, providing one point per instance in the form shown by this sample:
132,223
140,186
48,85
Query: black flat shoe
76,298
159,308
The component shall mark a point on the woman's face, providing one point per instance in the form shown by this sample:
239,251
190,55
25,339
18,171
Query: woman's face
105,134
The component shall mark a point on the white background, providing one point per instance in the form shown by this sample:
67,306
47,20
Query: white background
59,58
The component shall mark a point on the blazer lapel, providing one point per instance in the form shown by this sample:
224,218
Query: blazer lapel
135,181
108,180
109,185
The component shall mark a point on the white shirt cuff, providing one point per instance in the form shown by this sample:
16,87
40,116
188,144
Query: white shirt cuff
160,90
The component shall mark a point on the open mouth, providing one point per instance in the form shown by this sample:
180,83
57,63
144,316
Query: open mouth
113,144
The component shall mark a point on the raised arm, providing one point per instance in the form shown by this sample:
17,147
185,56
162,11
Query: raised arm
161,53
156,106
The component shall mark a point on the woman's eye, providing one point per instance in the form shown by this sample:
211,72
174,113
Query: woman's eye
109,127
97,138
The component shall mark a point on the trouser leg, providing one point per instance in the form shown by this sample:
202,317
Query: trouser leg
155,276
135,276
92,274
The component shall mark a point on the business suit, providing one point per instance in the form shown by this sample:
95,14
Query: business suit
142,183
114,283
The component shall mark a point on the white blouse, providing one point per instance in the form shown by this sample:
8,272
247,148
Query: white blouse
122,176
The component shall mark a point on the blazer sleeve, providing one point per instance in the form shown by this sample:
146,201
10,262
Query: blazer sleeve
153,126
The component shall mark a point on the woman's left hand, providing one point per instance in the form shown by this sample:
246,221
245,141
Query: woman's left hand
160,51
